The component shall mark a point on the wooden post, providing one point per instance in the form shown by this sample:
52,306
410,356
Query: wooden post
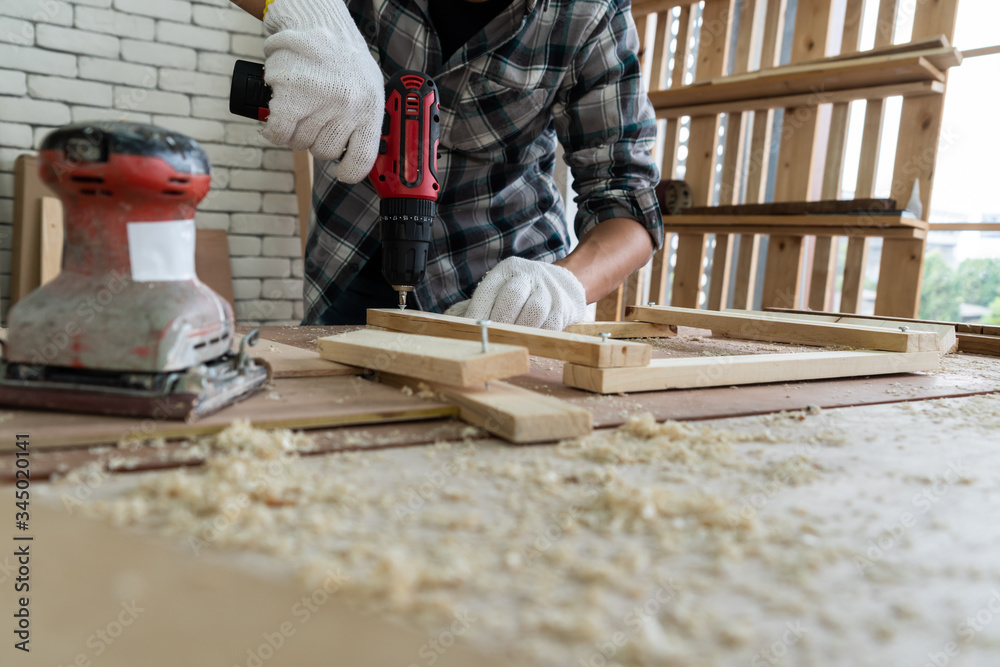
871,142
796,165
713,57
916,156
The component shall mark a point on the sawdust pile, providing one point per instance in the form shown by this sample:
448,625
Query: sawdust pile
551,549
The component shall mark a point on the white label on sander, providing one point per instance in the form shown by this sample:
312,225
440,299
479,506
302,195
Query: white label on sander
161,250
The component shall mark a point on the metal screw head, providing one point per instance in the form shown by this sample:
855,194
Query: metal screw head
604,336
904,328
483,327
651,304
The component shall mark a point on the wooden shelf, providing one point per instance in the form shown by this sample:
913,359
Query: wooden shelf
879,75
885,226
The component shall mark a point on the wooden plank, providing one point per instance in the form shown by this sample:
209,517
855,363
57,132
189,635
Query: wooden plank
303,165
979,344
945,56
311,402
27,235
783,273
515,414
635,286
767,103
760,144
746,271
947,341
462,363
701,372
916,158
960,327
211,262
703,138
623,329
642,8
722,257
690,260
815,230
826,206
659,268
852,290
583,350
846,221
609,308
51,225
816,81
776,329
288,361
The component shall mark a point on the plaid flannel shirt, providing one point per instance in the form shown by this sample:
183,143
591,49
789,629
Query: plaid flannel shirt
542,71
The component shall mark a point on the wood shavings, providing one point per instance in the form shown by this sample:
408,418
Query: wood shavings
696,542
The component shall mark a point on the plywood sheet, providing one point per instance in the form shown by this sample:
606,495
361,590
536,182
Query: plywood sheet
289,403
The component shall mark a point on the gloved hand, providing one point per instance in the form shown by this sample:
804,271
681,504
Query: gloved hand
329,95
526,292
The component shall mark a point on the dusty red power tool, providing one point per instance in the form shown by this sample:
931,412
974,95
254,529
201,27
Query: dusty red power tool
126,327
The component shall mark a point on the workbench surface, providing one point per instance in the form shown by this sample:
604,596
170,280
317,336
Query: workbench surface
858,535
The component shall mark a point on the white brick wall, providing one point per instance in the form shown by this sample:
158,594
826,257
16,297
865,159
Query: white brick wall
168,63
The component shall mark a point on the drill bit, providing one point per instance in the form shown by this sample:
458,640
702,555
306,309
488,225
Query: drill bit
402,299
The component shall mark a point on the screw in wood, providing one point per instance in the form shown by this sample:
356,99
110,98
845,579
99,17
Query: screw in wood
904,329
604,336
483,326
651,304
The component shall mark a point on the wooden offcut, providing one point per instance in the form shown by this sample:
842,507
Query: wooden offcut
574,348
947,340
515,414
764,327
622,329
461,363
27,234
288,361
700,372
52,237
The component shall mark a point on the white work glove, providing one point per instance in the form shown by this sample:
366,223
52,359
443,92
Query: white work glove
526,292
329,96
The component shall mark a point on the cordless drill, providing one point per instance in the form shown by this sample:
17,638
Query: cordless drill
405,172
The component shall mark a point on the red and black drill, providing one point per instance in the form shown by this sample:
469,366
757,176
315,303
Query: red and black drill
405,172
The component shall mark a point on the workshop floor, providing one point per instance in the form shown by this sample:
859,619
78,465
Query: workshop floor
856,536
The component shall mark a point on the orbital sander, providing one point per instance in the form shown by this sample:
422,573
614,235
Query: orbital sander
126,328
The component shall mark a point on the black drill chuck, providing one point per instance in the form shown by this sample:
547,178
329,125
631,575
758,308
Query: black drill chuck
405,226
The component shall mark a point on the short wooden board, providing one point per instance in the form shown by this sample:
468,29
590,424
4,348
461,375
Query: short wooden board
623,330
457,362
947,341
751,325
290,403
699,372
288,361
577,349
515,414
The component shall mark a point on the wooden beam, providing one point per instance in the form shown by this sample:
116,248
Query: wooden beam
610,306
775,329
515,414
746,271
845,221
960,327
621,330
826,206
766,103
947,341
574,348
462,363
801,230
27,235
701,372
916,158
642,8
979,344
